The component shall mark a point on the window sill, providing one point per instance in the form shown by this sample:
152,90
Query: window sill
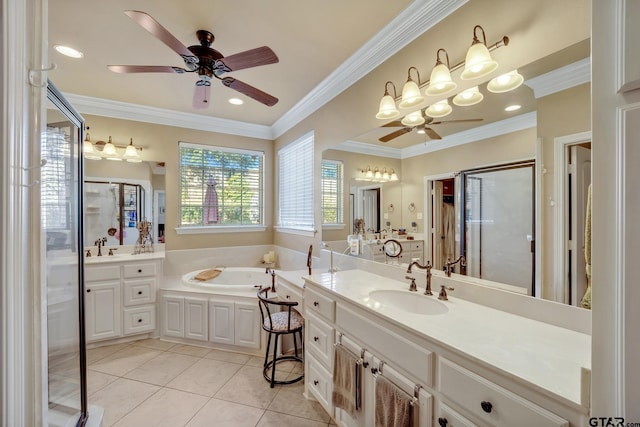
220,229
299,231
333,226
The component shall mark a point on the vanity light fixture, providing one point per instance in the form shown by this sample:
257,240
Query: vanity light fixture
468,97
109,151
131,153
68,51
505,82
440,82
368,173
385,174
376,175
388,109
439,109
394,176
411,95
88,150
478,62
413,119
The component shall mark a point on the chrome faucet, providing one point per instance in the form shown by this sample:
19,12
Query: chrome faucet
99,243
448,267
428,267
325,245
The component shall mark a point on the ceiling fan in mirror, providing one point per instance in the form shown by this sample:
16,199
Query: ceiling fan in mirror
418,120
203,60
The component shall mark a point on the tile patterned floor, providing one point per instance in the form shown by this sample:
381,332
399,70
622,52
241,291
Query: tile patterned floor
156,383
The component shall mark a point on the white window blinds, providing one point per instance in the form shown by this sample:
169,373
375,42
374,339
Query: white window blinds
295,177
331,187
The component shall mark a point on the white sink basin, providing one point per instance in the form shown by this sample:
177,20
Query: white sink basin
413,302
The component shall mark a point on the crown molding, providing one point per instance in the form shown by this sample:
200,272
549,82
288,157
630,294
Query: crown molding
370,149
413,21
161,116
561,78
502,127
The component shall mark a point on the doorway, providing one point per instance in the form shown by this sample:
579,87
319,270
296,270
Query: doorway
441,225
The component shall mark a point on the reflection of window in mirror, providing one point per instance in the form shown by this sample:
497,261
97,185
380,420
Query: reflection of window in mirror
331,187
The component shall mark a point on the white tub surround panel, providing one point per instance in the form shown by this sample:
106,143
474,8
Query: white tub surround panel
529,369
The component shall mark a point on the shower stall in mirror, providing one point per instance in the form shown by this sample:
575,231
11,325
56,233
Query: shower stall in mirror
61,222
498,210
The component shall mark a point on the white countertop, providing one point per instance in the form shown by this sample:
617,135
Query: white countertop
295,277
544,355
121,257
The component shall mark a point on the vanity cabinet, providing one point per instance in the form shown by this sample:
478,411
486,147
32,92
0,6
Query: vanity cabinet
411,249
120,298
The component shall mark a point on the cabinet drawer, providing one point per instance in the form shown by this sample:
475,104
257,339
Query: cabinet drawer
320,384
314,302
95,274
413,246
320,339
287,293
489,402
139,270
139,319
141,291
447,417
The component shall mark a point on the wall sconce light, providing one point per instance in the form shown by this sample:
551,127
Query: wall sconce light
88,150
388,108
440,82
385,174
478,62
394,176
376,175
413,119
439,109
505,82
468,97
109,151
411,92
131,153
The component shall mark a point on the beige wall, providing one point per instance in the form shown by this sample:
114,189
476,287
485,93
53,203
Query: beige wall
160,143
119,171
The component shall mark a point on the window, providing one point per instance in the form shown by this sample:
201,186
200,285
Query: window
220,186
331,192
295,176
55,192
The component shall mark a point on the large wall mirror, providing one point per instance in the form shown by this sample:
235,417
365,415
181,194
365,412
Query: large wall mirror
453,193
118,195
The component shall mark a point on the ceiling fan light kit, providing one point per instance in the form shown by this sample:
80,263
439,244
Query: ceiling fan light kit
440,82
411,95
505,82
207,62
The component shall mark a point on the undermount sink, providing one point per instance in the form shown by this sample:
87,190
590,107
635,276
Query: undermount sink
412,302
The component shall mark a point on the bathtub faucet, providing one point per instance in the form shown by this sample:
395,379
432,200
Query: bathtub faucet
325,245
270,270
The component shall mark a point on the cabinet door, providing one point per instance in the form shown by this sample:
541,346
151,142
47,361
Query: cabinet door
247,325
221,322
102,312
172,316
195,320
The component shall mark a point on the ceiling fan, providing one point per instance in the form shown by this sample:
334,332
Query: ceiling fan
203,60
424,126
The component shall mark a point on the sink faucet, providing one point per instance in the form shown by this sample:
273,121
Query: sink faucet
326,246
412,286
99,243
443,293
427,266
461,259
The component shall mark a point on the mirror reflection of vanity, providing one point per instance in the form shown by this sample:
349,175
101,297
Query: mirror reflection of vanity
426,166
117,196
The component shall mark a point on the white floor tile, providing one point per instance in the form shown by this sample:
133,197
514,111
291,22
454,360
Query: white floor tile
120,397
166,408
162,368
226,414
274,419
204,377
123,361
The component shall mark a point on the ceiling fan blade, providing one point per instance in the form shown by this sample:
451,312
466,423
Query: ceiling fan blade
432,133
201,96
456,121
249,58
393,124
394,135
250,91
151,25
145,69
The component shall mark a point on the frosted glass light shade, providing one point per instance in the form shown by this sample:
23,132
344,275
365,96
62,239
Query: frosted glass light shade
131,154
413,119
440,82
394,176
89,152
377,174
468,97
478,62
109,151
505,82
385,174
411,95
387,108
439,109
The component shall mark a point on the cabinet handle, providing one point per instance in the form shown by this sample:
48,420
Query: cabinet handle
288,296
315,382
88,290
316,339
486,406
139,292
443,422
139,270
316,303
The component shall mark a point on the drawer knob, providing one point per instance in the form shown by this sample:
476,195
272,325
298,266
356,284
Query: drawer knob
139,292
315,382
316,303
139,320
88,290
486,406
443,422
139,270
288,296
316,339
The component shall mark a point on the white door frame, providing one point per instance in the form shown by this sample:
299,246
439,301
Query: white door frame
561,223
426,226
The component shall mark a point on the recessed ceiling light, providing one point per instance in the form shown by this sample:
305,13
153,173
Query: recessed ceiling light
236,101
68,51
513,107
